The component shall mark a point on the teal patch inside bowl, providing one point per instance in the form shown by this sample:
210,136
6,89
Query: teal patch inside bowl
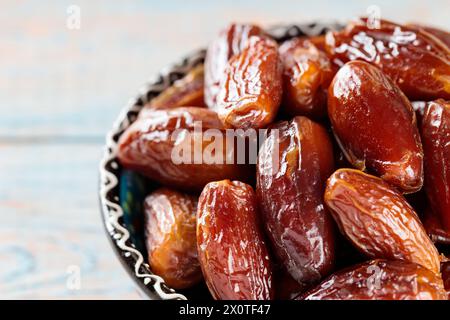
133,190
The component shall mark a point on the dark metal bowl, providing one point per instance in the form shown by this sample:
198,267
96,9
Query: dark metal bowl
122,191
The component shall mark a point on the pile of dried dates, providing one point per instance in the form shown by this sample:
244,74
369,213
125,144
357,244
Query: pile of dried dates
346,197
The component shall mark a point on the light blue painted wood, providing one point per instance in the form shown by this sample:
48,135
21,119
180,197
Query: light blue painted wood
57,81
50,222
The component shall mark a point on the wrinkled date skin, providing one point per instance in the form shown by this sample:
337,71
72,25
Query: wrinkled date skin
230,42
377,219
416,61
232,251
170,219
251,88
307,73
291,173
165,147
188,91
436,144
380,280
375,125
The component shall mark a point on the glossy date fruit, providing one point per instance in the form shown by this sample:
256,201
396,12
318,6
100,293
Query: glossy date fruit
377,219
232,252
416,61
170,222
187,91
442,35
251,87
445,271
166,147
307,73
286,288
293,165
436,144
380,280
230,42
433,226
375,125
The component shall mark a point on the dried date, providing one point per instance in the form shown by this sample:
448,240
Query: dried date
170,219
307,73
188,91
378,220
436,144
375,125
166,146
416,61
231,246
251,88
293,165
230,42
380,280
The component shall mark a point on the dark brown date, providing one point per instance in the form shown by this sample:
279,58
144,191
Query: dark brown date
232,251
380,280
307,73
293,164
442,35
419,108
166,146
416,61
188,91
433,226
375,125
377,219
251,88
170,219
286,288
230,42
445,270
436,144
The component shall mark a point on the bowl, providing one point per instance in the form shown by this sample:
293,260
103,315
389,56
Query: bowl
122,191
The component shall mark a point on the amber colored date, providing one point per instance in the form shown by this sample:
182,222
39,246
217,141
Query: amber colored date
380,280
416,61
307,73
230,42
436,144
166,146
232,252
318,41
293,164
377,219
188,91
251,88
375,125
170,219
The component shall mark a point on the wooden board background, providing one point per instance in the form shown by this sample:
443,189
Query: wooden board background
60,91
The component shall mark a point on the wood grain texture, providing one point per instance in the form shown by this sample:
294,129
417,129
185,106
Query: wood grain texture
50,222
60,91
73,82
